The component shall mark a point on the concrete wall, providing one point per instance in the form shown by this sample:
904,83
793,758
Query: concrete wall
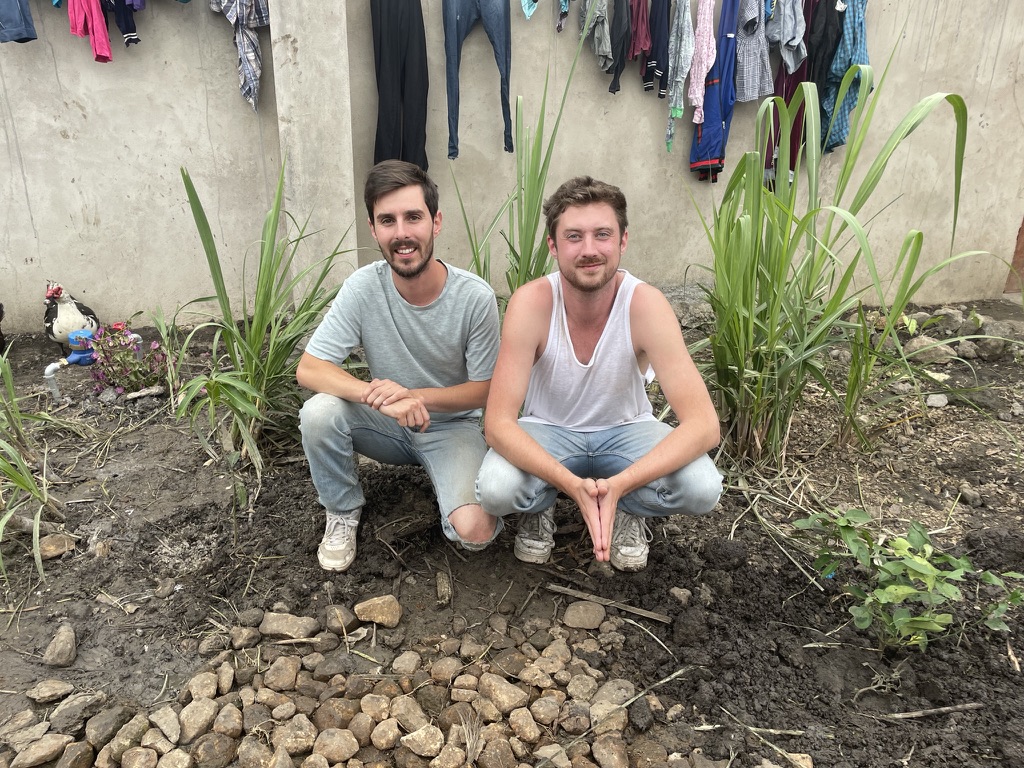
90,192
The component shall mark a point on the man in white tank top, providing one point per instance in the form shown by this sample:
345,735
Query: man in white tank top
575,352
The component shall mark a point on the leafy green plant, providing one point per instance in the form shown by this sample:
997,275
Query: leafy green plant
784,265
122,363
901,586
249,396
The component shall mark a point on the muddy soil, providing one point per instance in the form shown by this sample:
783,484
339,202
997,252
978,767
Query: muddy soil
761,643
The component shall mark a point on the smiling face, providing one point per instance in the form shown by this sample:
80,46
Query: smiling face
404,230
588,246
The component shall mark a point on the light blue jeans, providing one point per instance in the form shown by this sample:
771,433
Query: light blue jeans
504,489
335,430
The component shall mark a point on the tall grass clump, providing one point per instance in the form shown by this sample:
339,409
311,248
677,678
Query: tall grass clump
249,398
784,264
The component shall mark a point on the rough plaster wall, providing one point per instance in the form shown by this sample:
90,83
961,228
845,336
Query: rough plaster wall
90,189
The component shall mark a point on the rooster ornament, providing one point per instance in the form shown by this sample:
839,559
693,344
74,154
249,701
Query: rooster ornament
64,314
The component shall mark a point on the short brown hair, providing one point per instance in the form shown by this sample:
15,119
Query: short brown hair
584,190
389,175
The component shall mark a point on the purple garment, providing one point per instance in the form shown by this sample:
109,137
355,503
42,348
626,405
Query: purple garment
136,5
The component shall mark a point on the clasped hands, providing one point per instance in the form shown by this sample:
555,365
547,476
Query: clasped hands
598,499
399,403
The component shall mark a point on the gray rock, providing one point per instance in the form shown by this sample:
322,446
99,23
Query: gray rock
432,698
406,663
21,739
503,694
49,747
969,496
315,761
937,400
244,637
997,342
335,713
196,719
63,648
409,714
681,594
154,739
640,715
340,620
102,727
425,742
967,350
497,753
557,649
251,617
609,751
545,710
361,725
78,754
471,649
48,691
617,691
947,321
177,758
928,350
555,753
128,735
582,687
384,610
287,626
17,722
523,725
445,669
166,719
297,736
607,717
574,717
450,756
386,734
531,674
282,673
584,614
211,645
229,722
140,757
253,753
203,685
281,759
214,750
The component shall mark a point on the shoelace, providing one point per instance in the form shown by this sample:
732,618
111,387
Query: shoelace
337,529
540,525
632,531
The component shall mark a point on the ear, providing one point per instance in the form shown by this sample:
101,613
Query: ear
551,246
437,224
622,245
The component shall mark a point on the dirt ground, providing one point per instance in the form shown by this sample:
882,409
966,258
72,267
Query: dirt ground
758,644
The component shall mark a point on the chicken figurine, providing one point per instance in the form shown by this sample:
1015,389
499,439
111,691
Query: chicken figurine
64,314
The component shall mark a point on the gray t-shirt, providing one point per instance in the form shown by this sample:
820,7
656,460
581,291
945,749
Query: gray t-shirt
452,340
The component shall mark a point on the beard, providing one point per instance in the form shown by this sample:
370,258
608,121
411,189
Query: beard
413,269
588,283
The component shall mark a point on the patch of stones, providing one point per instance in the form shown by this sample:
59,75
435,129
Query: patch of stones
280,690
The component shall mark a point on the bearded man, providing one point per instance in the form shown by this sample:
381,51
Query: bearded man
429,332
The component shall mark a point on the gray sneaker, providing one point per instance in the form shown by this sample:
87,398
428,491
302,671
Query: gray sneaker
536,536
337,550
630,542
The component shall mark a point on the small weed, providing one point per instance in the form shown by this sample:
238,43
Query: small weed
902,587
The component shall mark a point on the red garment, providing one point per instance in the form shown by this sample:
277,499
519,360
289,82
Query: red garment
641,23
87,20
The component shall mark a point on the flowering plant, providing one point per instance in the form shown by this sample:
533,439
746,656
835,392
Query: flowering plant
121,362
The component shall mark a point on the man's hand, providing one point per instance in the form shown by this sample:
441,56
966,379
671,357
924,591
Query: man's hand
381,392
586,493
608,495
408,412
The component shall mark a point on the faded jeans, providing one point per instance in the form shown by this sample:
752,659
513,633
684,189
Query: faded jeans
504,489
335,430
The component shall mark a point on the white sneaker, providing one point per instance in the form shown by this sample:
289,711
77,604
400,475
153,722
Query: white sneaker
630,542
536,536
337,549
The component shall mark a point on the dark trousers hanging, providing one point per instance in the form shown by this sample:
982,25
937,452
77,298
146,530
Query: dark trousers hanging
400,60
459,16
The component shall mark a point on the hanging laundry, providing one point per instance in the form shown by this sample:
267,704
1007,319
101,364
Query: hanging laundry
87,20
707,153
400,62
459,17
640,22
753,71
823,40
785,32
529,6
124,17
703,56
656,65
16,22
786,85
852,50
680,55
598,27
246,16
563,14
140,5
622,33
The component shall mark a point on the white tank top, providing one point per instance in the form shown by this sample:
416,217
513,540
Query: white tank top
606,392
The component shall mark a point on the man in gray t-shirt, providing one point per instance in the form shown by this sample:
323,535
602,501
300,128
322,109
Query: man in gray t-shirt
430,335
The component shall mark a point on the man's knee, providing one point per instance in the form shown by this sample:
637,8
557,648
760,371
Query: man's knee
322,413
496,487
472,524
703,489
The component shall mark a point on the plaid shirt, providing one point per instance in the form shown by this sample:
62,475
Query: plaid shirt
753,71
853,49
245,16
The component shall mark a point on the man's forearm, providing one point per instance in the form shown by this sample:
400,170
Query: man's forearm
461,397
